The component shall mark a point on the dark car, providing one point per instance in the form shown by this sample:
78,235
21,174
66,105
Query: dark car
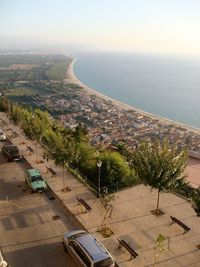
11,152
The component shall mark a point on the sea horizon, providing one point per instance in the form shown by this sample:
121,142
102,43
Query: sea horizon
165,86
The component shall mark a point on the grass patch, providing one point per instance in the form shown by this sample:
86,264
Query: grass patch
21,91
57,71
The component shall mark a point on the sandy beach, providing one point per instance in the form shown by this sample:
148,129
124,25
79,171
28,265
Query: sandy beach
71,77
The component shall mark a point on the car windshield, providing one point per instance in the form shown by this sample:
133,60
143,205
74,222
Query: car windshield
104,263
36,178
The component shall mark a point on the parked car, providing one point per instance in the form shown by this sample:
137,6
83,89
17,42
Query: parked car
2,135
3,263
35,180
11,152
86,250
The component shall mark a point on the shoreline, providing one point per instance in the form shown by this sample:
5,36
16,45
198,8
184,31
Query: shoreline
71,77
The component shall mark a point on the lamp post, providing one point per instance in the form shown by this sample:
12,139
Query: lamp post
99,164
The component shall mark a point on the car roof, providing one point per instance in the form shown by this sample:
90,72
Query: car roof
33,172
89,243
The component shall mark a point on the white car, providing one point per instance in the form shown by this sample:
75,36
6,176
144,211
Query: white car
86,250
2,135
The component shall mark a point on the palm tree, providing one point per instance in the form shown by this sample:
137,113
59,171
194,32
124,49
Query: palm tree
122,148
160,166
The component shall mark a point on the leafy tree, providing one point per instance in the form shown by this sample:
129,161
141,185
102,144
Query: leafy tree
49,139
86,161
35,125
16,113
196,201
114,168
80,133
160,166
64,152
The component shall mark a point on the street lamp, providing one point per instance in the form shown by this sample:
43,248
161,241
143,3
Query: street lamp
99,164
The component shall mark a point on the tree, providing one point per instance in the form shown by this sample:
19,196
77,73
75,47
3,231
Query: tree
86,161
122,148
64,152
16,113
106,202
196,201
114,168
80,133
40,123
160,166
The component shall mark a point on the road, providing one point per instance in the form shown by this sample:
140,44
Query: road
31,225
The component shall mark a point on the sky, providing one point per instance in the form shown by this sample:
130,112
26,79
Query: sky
155,26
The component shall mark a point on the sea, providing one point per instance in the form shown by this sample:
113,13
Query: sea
166,86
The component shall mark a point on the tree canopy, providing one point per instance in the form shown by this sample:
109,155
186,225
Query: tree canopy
114,168
196,201
161,166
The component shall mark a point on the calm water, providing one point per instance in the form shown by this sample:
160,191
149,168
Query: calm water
165,86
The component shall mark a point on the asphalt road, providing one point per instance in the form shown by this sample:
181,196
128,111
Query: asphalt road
31,225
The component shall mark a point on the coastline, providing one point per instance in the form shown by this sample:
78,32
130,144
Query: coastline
71,77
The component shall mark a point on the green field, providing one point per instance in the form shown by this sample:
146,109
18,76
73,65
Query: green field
57,72
24,76
24,90
33,67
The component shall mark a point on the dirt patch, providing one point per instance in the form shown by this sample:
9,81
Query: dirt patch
55,217
157,212
105,232
66,189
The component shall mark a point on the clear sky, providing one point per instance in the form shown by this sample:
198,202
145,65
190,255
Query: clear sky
170,26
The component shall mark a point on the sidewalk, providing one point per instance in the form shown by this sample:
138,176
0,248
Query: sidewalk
131,218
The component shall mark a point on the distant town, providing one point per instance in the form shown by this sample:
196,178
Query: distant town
42,82
108,124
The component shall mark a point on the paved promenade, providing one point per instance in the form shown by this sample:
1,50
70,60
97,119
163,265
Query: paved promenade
131,217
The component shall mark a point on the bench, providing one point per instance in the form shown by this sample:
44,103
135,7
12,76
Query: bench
124,244
51,171
30,149
87,207
185,227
